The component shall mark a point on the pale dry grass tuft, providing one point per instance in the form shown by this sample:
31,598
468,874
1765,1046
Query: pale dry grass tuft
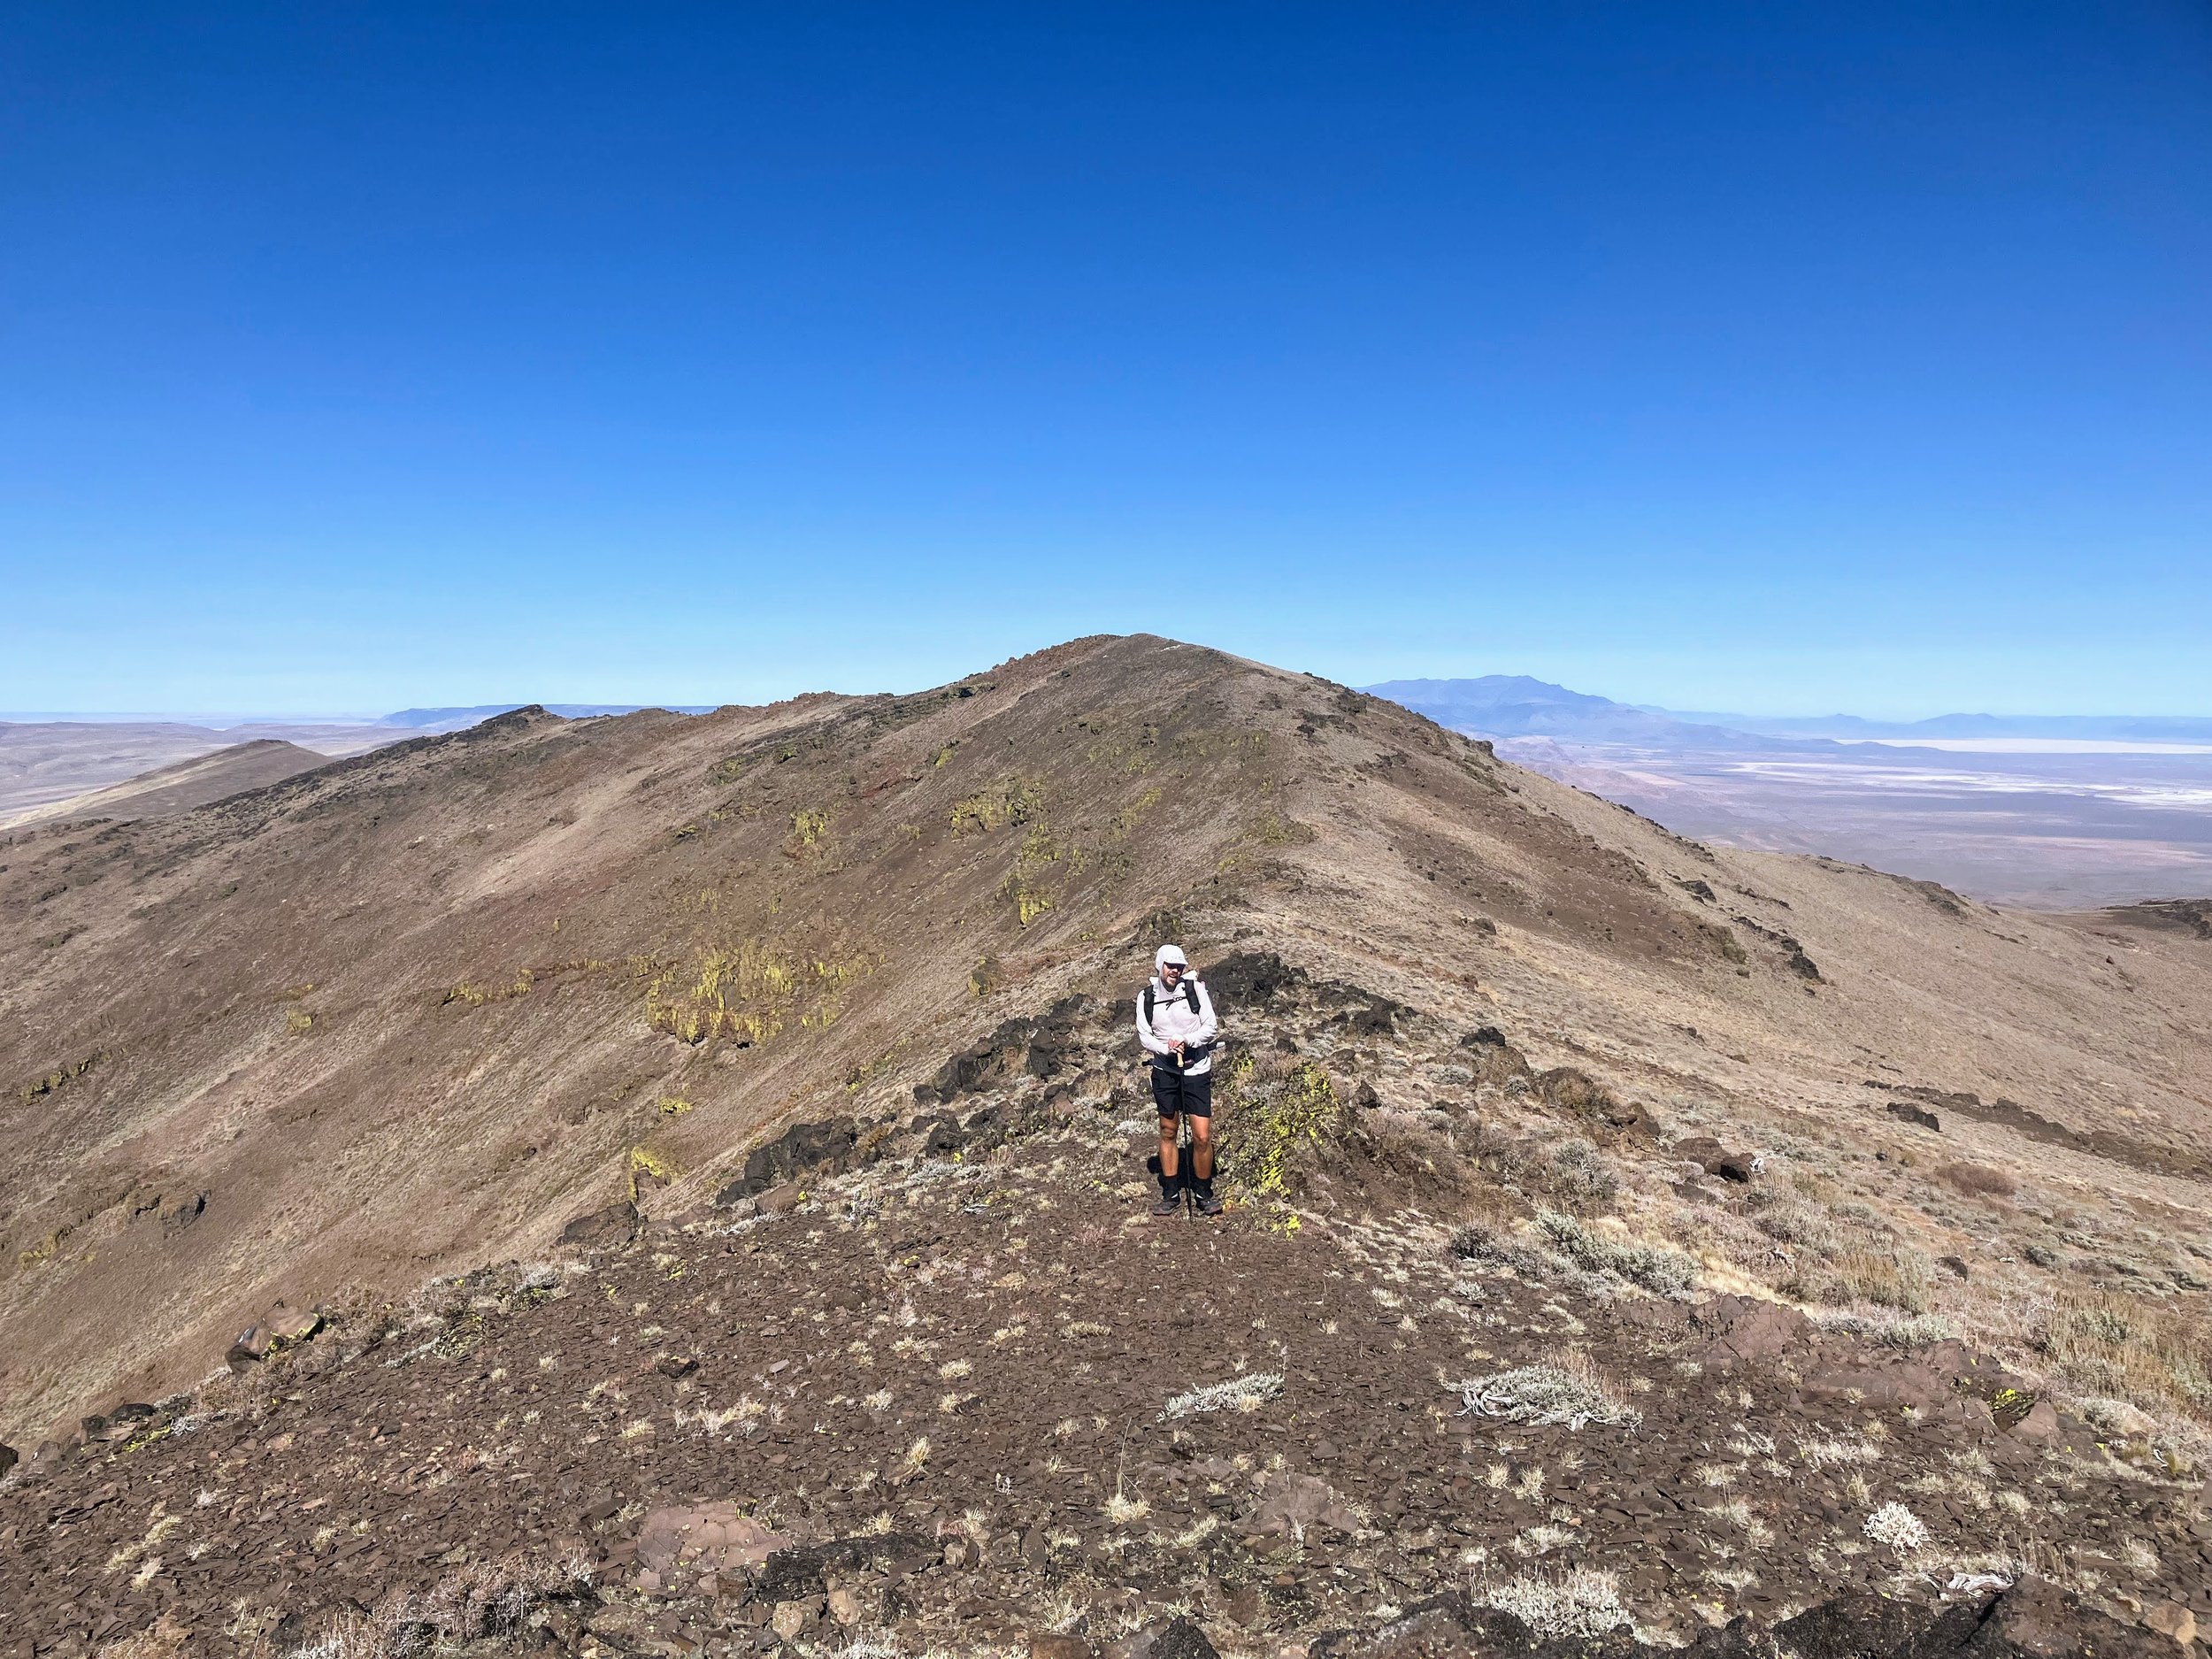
1739,1513
1898,1278
1909,1332
1581,1602
1898,1527
1569,1392
1239,1393
2131,1348
1831,1452
1203,1528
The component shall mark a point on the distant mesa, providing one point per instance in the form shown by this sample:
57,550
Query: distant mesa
2187,916
186,785
52,763
79,766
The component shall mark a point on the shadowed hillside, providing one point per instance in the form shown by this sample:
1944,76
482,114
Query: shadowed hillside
1495,1045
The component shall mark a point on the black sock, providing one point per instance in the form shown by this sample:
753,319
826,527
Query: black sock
1204,1184
1169,1185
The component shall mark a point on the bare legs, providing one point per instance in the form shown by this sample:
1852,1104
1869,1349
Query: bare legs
1201,1149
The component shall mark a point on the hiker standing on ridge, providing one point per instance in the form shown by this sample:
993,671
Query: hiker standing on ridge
1175,1022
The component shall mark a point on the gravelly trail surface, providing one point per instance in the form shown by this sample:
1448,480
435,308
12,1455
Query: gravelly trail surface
963,1364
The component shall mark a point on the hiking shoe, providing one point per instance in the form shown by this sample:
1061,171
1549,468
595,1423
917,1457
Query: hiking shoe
1170,1204
1207,1204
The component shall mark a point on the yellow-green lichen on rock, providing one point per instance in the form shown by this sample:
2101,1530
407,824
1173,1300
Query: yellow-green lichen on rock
1016,800
1276,1118
1039,853
648,1168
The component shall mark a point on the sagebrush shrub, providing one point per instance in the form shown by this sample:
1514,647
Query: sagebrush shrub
1979,1180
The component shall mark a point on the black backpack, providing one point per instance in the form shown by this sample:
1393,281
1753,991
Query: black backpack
1190,996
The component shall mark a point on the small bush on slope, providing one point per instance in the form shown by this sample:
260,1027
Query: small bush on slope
1573,1172
1654,1267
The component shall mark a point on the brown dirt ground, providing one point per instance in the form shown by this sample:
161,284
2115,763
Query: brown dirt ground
961,1359
1013,1318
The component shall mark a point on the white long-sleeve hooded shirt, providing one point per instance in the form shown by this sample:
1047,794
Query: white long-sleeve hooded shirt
1173,1022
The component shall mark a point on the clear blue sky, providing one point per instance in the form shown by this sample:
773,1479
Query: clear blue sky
1784,358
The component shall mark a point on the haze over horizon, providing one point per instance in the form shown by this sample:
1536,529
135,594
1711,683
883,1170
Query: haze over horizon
1712,357
393,708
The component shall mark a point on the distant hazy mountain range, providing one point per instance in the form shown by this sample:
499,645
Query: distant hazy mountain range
2059,811
1495,705
2064,810
410,719
1515,705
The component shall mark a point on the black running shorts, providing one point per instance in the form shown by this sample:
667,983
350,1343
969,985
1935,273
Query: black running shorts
1178,1094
